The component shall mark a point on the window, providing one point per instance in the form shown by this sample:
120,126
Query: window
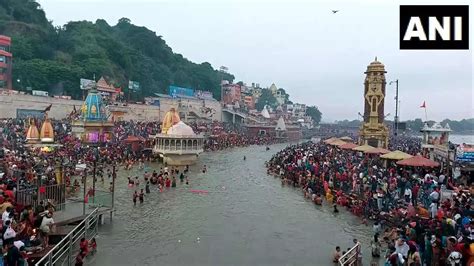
3,84
3,59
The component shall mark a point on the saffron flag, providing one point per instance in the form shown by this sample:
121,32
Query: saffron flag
423,105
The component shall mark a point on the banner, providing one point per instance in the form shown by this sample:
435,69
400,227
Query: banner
87,84
203,94
465,153
133,85
26,113
175,91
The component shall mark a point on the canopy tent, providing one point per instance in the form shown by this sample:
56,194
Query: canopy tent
337,142
376,151
418,161
396,155
328,141
346,138
363,148
348,146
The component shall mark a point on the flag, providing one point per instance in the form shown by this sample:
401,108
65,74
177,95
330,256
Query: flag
423,105
47,108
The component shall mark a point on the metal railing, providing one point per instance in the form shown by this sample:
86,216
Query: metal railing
64,252
350,258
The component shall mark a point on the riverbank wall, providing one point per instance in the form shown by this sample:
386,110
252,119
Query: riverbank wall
18,105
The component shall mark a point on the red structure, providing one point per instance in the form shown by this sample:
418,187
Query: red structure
230,93
5,63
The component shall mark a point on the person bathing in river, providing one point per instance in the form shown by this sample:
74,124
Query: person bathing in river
173,183
137,182
141,196
204,169
147,187
337,254
245,158
181,177
335,208
135,196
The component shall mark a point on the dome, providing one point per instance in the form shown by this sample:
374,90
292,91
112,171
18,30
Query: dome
93,108
181,129
376,66
47,132
32,135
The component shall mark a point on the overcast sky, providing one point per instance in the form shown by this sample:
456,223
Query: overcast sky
301,46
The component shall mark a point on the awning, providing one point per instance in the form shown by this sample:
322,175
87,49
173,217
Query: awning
396,155
418,161
377,151
363,148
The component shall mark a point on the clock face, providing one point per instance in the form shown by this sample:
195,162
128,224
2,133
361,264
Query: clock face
374,88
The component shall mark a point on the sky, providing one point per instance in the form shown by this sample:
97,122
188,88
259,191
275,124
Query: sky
318,57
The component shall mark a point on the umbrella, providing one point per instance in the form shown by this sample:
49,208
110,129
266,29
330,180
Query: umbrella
363,148
346,138
377,151
419,161
337,142
396,155
328,141
348,146
130,139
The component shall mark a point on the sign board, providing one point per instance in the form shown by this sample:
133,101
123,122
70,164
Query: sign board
465,153
27,113
87,84
203,95
133,85
175,91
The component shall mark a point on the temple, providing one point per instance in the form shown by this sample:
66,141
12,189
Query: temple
93,126
177,144
373,131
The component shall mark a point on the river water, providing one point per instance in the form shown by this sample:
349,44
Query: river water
247,218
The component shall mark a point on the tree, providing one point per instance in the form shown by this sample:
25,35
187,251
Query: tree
314,113
55,58
266,98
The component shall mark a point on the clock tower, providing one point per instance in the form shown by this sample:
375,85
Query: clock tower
373,131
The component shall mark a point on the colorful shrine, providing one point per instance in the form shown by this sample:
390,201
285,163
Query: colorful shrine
93,126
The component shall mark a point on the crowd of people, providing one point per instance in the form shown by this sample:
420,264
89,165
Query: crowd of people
421,216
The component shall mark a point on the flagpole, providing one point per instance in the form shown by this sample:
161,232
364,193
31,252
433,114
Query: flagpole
426,115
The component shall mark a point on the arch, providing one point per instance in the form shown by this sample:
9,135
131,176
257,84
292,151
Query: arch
178,144
195,144
167,144
185,144
172,144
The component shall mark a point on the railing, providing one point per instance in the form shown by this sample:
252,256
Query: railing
64,252
32,196
350,258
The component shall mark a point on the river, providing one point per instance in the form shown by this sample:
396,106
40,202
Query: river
247,218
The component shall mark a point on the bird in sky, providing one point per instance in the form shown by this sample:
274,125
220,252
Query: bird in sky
335,11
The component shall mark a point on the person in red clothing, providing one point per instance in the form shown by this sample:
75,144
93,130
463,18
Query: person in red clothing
414,194
84,246
168,182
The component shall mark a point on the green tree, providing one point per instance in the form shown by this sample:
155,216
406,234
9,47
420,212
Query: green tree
314,113
266,98
55,58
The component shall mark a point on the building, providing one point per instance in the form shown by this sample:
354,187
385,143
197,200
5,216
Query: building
249,102
5,63
177,144
231,94
108,91
93,126
435,143
373,131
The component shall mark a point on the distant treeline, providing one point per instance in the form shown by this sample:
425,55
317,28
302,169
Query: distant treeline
458,126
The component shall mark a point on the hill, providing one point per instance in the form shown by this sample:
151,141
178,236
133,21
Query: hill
55,58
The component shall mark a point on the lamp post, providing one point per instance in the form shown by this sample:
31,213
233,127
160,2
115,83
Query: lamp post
396,105
96,157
